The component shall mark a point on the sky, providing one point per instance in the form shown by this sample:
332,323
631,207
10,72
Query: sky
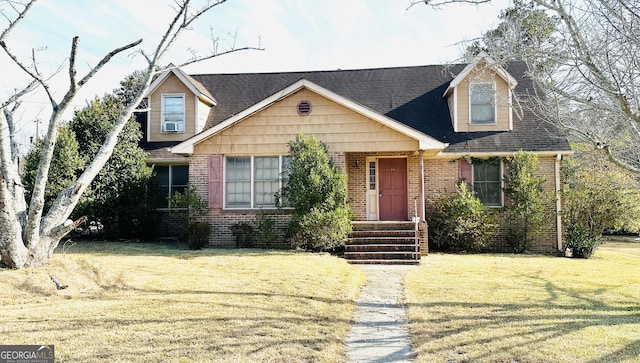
296,35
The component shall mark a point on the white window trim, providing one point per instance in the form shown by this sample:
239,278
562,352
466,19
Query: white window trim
495,104
252,205
184,111
501,184
455,109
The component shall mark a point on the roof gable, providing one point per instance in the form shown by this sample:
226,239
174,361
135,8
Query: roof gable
193,85
425,142
482,60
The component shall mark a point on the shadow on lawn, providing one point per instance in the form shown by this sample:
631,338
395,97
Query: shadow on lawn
155,248
507,328
240,326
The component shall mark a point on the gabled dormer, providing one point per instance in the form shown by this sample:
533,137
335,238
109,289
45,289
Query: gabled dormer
178,106
480,97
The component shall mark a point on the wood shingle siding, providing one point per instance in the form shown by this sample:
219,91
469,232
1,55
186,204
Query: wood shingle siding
271,129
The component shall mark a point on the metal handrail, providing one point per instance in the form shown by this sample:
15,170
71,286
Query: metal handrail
416,221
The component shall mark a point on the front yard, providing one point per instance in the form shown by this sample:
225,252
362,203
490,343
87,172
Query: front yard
134,302
519,308
131,302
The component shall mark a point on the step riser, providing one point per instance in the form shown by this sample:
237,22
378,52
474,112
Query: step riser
384,262
379,248
380,241
381,233
383,227
379,254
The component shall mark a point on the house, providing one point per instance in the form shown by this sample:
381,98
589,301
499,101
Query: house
403,136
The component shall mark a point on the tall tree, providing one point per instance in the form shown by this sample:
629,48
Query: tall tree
524,30
118,195
67,163
28,235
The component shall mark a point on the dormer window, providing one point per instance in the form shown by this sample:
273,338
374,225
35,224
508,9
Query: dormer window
173,113
482,105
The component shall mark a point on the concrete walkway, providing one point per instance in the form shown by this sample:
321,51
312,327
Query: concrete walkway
380,333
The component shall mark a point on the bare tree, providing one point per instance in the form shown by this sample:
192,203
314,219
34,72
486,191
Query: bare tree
28,235
584,56
593,89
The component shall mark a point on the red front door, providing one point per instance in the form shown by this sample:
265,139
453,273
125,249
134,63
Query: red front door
392,190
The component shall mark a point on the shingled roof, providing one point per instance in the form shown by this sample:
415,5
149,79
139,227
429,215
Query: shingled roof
411,95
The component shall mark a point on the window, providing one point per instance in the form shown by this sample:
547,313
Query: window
238,178
487,181
171,179
253,181
482,103
372,175
172,113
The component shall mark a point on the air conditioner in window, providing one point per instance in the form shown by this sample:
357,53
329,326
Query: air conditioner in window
170,127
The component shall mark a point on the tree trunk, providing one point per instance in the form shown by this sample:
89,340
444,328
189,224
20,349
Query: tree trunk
13,252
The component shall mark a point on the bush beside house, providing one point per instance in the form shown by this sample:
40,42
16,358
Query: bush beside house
599,197
460,222
526,200
316,189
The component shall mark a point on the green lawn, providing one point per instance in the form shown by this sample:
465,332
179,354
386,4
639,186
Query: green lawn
519,308
133,302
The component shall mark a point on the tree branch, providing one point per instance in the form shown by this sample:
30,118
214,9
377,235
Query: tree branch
105,60
200,59
619,162
12,24
72,65
18,94
440,3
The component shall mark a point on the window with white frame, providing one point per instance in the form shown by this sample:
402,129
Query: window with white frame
487,181
173,113
253,181
170,179
482,108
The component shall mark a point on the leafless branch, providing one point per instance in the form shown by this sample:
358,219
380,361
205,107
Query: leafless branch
106,59
440,3
14,22
13,99
200,59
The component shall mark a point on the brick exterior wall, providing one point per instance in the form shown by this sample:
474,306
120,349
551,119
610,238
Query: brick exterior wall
357,184
440,178
169,226
221,220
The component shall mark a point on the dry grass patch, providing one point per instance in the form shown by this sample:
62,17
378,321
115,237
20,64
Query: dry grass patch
515,308
131,302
